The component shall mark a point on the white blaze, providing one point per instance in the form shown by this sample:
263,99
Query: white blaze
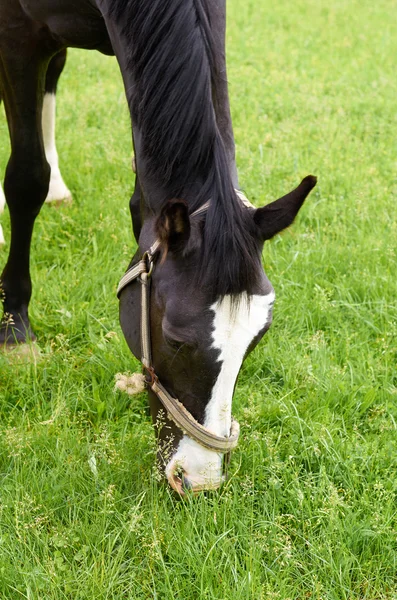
234,330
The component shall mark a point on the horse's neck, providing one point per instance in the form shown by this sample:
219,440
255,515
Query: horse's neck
154,194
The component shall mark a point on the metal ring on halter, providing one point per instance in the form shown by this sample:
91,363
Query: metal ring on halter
148,257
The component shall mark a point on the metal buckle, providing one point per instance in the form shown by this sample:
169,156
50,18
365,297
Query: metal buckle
149,260
153,377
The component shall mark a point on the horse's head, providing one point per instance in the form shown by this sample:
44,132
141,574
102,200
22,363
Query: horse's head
198,341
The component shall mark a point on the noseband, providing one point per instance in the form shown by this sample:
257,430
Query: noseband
175,410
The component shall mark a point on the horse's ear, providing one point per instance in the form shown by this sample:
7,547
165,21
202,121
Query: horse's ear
278,215
173,226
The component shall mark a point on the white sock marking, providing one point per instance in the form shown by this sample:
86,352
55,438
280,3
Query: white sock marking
234,330
58,189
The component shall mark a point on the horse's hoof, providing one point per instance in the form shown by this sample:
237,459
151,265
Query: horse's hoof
14,331
22,353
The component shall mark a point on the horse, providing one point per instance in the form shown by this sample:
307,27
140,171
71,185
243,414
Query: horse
58,191
195,299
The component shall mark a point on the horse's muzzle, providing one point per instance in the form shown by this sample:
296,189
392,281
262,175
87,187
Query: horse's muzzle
183,484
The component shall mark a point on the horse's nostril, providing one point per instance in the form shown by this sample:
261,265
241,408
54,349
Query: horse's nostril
186,485
175,478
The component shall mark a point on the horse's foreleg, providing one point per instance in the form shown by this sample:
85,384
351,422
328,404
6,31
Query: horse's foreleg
2,205
58,191
26,184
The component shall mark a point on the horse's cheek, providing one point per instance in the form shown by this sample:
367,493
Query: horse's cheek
129,311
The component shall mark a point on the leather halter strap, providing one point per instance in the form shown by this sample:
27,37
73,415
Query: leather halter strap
175,410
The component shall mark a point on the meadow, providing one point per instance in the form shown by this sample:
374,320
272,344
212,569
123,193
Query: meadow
309,510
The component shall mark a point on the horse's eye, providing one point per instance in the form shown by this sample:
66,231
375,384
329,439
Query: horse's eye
172,342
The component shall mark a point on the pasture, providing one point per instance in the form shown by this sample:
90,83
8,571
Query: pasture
309,510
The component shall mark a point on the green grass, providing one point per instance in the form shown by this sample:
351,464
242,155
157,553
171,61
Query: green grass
309,510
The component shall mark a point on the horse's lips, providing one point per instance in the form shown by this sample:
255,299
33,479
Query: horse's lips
176,484
182,485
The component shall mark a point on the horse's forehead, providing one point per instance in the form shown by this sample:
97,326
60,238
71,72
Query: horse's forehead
237,321
226,316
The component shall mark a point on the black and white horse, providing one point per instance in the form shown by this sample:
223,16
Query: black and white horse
211,302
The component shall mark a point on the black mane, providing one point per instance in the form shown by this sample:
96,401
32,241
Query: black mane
172,61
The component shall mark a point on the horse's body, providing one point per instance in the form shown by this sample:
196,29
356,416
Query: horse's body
211,301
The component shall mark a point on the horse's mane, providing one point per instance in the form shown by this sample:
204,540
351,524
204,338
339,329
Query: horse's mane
171,56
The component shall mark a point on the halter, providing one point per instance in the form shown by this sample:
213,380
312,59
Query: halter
142,271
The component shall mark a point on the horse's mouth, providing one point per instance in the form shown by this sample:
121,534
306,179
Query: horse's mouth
183,485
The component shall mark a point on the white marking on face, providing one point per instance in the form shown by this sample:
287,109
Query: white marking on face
234,330
58,189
